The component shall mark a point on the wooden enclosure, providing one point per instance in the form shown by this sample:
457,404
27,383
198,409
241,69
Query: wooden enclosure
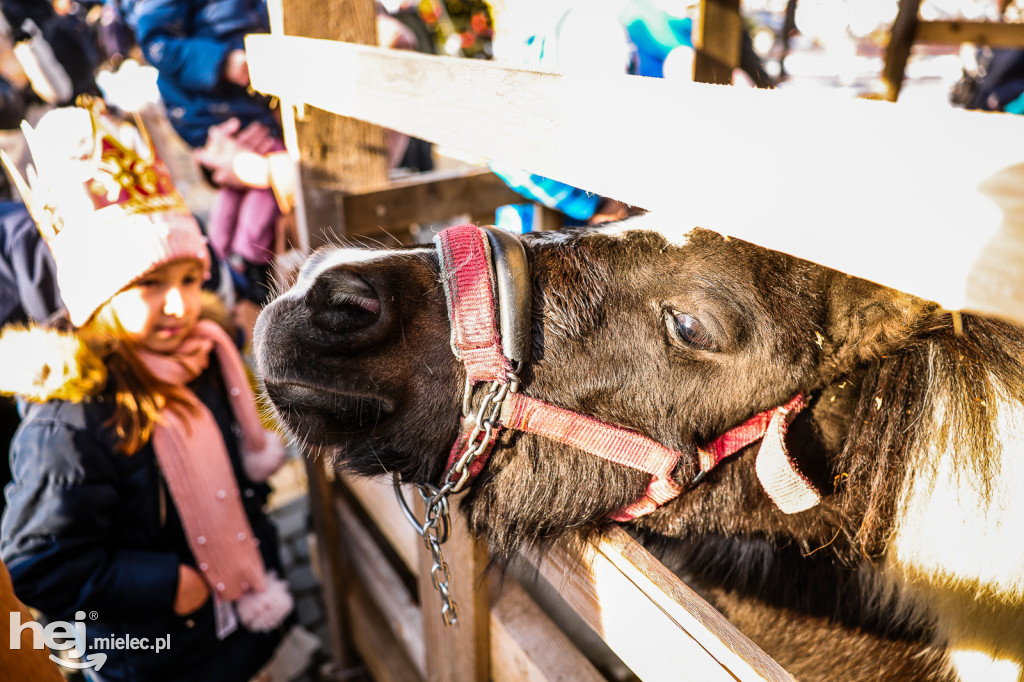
859,186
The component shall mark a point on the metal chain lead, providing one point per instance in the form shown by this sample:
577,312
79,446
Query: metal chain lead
436,524
434,530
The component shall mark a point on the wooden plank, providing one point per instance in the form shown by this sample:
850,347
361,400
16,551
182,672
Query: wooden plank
333,570
376,643
527,647
705,624
610,604
717,36
992,34
945,222
377,498
457,653
897,52
688,636
427,198
383,585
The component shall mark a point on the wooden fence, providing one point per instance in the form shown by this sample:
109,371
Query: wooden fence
931,204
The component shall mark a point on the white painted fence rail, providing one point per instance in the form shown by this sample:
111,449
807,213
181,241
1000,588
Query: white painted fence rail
929,202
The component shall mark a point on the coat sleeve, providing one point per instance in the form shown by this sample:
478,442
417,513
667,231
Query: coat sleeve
60,510
572,201
163,29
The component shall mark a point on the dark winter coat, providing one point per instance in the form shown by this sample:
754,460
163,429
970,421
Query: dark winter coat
188,42
89,529
68,37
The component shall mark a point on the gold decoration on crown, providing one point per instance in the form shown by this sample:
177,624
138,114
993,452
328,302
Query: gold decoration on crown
124,181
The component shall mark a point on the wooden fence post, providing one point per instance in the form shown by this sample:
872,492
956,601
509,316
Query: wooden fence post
330,562
460,652
897,52
716,38
337,155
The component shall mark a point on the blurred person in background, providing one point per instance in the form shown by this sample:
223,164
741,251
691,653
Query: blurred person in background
198,49
55,50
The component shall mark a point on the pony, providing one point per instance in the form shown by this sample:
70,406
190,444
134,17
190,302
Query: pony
900,423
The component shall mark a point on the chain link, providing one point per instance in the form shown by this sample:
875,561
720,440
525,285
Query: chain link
484,422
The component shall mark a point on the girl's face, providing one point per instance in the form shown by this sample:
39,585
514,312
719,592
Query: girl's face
162,308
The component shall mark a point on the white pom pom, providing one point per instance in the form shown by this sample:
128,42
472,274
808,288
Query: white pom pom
264,611
260,464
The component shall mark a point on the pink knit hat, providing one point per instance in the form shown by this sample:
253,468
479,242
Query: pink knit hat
105,205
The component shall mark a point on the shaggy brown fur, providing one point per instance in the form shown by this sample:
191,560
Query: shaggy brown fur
380,392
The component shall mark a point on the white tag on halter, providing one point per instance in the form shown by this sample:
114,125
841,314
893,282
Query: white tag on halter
781,479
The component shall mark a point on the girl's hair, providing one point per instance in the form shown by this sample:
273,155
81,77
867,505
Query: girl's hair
138,395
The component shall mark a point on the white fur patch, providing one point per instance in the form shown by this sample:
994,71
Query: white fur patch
670,228
959,544
977,665
324,261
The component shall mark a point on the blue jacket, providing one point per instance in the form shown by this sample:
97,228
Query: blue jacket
89,529
188,42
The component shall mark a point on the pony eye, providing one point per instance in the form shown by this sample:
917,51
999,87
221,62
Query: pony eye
690,331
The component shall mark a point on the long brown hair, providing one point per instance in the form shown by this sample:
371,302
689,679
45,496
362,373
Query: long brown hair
138,395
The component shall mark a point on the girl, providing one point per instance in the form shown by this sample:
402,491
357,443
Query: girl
138,470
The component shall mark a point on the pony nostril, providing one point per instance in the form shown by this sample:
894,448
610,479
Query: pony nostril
341,302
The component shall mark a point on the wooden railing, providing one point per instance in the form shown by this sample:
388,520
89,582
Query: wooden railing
925,204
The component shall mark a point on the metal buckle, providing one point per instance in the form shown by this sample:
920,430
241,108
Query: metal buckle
514,293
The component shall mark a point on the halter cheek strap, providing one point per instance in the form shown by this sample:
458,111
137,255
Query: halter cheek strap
469,282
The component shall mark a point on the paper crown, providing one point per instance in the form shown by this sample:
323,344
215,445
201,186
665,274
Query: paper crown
105,204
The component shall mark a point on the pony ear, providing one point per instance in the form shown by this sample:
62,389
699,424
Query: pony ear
866,320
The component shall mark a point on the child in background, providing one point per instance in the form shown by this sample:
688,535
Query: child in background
198,48
138,469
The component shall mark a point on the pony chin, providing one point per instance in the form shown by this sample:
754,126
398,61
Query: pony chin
959,547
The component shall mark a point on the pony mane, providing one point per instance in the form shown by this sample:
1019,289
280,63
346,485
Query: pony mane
935,402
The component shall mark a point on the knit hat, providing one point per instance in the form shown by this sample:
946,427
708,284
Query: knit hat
104,203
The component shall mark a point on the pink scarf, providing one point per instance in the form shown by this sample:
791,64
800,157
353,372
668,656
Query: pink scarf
195,463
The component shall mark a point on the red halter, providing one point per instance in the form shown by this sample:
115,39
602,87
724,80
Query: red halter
465,253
